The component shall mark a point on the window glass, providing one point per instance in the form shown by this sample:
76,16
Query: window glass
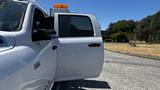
64,26
11,15
38,20
42,23
75,26
38,23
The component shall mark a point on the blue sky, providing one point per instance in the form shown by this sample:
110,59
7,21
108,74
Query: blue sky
108,11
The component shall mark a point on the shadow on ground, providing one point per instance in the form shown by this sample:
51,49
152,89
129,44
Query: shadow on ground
81,85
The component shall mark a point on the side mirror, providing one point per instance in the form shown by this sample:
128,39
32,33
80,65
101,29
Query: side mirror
43,34
45,30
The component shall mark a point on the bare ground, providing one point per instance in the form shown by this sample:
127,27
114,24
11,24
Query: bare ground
152,50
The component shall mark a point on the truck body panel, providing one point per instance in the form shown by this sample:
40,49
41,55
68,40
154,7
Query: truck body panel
33,57
76,59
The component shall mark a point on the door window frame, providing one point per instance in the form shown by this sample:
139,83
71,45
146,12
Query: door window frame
58,25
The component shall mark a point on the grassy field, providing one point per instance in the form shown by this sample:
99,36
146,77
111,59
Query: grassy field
152,50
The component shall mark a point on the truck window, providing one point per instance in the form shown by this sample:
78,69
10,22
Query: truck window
38,23
11,15
75,26
41,21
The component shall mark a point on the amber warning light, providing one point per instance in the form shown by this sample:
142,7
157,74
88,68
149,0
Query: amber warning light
60,6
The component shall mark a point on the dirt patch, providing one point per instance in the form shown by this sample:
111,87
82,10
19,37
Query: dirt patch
152,50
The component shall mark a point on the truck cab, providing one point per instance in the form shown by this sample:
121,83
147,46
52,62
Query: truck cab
38,48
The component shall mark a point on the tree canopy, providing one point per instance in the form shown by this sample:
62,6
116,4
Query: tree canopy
120,31
147,29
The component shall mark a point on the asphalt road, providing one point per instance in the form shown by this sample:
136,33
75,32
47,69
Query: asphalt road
120,72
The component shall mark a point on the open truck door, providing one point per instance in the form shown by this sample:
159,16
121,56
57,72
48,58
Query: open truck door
80,46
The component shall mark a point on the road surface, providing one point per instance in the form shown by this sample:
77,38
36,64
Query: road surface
120,72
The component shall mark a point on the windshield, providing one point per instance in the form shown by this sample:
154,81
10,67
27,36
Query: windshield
11,15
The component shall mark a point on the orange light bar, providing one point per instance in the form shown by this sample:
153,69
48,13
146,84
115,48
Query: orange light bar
60,6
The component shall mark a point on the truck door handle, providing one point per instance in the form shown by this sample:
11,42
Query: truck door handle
94,45
54,47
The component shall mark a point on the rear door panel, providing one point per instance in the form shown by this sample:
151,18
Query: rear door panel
79,57
77,60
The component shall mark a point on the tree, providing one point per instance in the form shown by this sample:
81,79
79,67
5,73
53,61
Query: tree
143,30
122,29
147,29
119,37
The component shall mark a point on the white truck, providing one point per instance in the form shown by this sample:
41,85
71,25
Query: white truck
37,49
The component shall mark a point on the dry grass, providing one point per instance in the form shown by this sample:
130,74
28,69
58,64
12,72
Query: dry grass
141,49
